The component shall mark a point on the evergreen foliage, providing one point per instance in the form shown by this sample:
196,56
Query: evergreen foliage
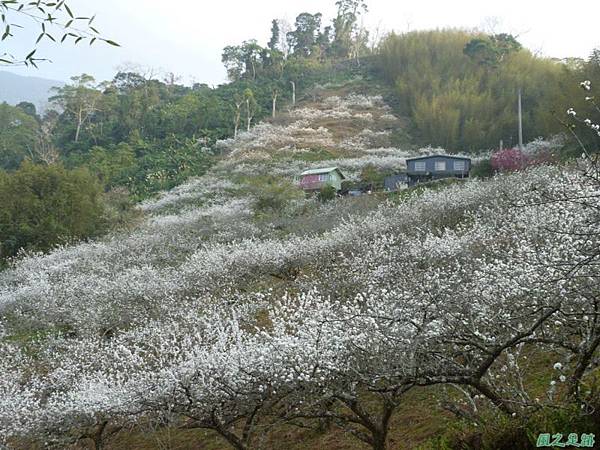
460,88
46,206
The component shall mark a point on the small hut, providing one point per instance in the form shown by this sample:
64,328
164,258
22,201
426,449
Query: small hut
316,179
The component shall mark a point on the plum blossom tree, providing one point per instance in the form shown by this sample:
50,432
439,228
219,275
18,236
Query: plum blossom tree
156,327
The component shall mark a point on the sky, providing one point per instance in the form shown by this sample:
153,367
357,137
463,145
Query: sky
186,37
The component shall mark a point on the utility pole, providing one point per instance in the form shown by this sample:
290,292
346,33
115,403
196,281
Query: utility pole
520,122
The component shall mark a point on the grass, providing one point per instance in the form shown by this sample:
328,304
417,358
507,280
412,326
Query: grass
418,420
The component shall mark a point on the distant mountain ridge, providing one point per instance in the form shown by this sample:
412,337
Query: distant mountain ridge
17,88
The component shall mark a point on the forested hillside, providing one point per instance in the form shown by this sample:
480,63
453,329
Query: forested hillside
139,135
239,306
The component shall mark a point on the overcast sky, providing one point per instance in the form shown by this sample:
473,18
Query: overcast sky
186,36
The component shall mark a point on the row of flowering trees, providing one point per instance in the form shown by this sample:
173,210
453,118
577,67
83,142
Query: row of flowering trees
450,288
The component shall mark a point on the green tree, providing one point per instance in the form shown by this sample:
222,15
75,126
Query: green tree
345,25
492,50
275,35
112,166
233,59
43,206
29,109
79,101
18,131
303,39
372,177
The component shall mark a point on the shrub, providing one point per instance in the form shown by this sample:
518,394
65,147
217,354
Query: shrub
273,194
327,193
119,211
371,176
482,169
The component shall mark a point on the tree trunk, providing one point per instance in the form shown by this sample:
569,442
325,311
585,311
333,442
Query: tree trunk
79,123
248,114
236,123
377,426
493,396
238,115
293,93
274,104
97,437
381,433
379,441
582,364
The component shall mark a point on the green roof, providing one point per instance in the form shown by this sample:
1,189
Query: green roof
321,171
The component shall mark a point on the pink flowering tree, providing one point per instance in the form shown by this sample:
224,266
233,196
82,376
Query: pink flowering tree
509,160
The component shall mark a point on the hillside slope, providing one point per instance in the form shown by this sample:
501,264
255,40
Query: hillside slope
349,126
237,293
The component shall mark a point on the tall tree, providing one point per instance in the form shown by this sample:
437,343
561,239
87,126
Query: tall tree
45,149
303,38
234,61
275,35
284,29
238,101
243,61
492,50
79,100
345,24
251,52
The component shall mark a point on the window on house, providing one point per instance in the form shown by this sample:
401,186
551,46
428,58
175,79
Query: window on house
420,166
324,177
459,165
440,166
